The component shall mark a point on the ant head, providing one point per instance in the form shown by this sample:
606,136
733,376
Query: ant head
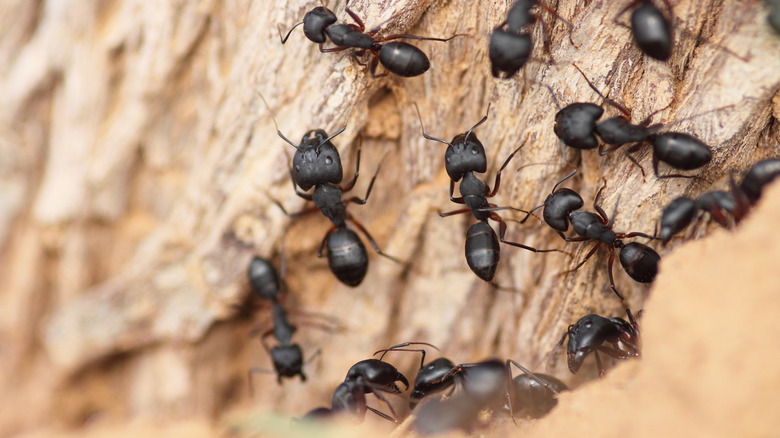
377,373
431,378
575,125
465,154
288,360
315,22
585,336
559,205
316,161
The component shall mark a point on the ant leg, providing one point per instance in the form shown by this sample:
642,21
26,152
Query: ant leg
620,107
529,374
382,414
454,212
611,278
332,49
497,181
415,37
638,234
372,67
304,212
602,371
325,240
530,212
351,184
587,257
623,11
279,28
354,16
502,232
563,20
357,200
669,175
630,151
598,208
378,395
371,240
459,199
604,151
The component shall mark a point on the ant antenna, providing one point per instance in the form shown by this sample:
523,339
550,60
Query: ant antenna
573,172
331,137
677,122
478,123
279,28
422,128
552,93
275,123
620,107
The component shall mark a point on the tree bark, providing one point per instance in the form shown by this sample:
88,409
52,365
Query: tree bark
140,164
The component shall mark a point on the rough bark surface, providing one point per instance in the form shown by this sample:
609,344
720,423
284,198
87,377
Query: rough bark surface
138,164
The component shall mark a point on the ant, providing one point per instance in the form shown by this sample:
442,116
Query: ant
400,58
578,127
652,29
532,399
510,46
464,156
638,260
287,357
593,333
264,279
317,164
726,208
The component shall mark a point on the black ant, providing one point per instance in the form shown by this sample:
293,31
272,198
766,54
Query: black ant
638,260
400,58
726,208
578,127
287,357
533,400
465,155
317,164
484,384
510,45
264,279
593,333
652,29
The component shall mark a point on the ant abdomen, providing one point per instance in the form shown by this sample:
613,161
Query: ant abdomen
347,256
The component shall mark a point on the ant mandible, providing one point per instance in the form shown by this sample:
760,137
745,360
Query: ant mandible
400,58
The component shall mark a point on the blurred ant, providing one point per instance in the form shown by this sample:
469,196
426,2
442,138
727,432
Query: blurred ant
400,58
652,29
726,208
510,45
593,333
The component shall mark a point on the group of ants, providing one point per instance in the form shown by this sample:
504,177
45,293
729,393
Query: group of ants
490,384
